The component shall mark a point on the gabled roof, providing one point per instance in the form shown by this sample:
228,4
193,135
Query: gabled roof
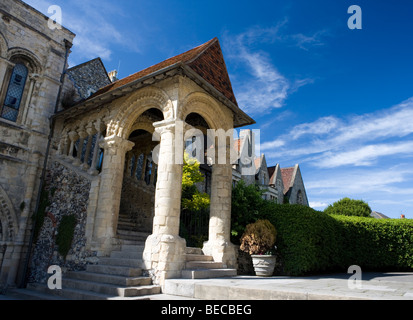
272,173
204,65
287,177
89,76
206,60
378,215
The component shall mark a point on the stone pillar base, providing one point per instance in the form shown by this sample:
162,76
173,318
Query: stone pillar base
164,257
222,251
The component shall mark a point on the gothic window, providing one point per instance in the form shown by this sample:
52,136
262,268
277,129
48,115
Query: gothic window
11,104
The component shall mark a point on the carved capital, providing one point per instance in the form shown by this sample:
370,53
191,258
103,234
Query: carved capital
114,143
73,135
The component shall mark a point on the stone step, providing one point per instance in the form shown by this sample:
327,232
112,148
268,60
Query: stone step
193,250
133,247
114,270
126,262
33,294
109,279
204,265
208,273
198,257
110,289
137,255
131,235
76,294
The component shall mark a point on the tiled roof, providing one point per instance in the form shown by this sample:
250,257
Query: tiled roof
287,175
206,60
271,173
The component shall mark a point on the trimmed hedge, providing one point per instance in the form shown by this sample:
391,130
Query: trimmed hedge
311,241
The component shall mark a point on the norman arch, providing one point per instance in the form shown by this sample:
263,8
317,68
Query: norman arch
207,108
135,105
3,46
8,218
22,55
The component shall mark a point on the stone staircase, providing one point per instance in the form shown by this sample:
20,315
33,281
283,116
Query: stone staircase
200,266
118,277
127,229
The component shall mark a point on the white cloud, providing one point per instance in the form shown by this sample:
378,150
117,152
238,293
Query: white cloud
366,155
361,140
91,21
264,87
318,204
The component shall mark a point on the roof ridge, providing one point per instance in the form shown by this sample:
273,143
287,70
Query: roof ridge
130,77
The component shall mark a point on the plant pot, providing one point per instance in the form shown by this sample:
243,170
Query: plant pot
263,265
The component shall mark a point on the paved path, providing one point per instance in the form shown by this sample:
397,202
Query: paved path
374,286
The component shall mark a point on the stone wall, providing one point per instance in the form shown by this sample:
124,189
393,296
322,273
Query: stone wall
68,194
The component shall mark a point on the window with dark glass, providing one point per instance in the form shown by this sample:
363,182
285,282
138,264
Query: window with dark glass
11,105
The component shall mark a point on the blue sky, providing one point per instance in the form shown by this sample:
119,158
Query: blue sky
337,101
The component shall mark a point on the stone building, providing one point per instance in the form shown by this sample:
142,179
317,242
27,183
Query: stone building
75,143
32,59
293,182
279,184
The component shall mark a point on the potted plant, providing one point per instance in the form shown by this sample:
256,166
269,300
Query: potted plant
258,240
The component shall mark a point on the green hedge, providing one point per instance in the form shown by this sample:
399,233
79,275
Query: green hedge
311,241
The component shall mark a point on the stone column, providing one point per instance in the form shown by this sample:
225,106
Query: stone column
90,129
73,136
82,135
164,254
107,211
99,126
219,245
4,65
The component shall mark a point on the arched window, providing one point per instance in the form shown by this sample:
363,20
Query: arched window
12,100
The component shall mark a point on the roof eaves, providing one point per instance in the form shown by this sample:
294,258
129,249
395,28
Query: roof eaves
116,93
219,95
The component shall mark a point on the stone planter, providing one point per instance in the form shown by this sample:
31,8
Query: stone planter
263,265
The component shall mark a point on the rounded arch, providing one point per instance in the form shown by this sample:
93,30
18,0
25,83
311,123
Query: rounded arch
3,46
135,105
7,217
29,59
208,109
142,125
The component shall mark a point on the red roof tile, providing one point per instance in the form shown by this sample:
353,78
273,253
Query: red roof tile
206,60
287,175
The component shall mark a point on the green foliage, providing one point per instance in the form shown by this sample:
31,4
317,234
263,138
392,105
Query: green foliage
247,203
311,241
194,205
259,237
65,233
349,207
192,198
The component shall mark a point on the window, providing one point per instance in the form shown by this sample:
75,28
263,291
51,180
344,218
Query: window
10,109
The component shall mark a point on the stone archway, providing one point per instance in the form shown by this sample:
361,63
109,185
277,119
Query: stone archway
9,229
136,210
7,217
